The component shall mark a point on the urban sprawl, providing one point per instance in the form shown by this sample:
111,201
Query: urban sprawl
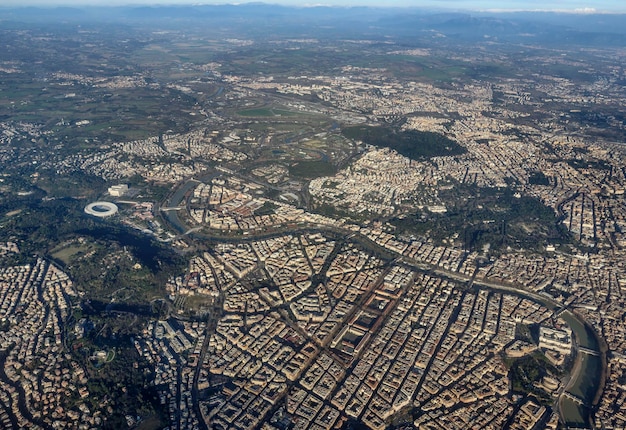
312,319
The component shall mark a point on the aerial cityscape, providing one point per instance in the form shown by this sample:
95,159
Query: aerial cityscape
274,217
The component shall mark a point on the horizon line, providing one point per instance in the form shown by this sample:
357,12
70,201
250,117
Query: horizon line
89,5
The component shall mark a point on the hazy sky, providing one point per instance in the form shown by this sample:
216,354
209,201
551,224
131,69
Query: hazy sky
560,5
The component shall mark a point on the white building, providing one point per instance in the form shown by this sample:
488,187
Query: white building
118,190
556,340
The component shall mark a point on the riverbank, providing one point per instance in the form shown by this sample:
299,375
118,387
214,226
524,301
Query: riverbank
585,386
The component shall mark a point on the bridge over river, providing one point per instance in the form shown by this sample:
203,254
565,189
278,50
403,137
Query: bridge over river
585,384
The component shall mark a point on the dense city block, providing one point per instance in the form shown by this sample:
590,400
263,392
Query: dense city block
210,221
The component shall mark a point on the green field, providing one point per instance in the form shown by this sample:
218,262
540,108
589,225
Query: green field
312,169
266,112
69,253
413,144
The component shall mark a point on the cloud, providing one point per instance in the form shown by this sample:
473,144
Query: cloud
585,10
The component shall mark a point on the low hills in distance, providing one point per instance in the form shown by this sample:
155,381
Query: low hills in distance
546,28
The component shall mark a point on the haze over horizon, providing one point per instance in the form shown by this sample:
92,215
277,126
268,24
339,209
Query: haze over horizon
571,6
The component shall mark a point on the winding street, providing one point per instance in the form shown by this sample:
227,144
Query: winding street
174,220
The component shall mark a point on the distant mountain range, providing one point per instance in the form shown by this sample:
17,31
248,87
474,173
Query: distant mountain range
527,27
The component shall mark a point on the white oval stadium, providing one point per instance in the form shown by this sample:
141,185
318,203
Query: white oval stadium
101,209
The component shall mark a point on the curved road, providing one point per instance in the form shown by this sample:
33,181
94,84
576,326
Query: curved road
172,217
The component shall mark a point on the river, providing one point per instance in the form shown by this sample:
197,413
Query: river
588,377
587,372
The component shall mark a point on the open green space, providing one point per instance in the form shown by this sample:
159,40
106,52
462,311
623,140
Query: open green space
123,381
75,185
425,68
526,372
312,169
151,423
538,178
106,260
488,216
413,144
527,333
268,208
69,253
113,113
256,112
266,112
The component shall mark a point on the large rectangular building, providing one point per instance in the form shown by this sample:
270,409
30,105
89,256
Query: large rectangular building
118,190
